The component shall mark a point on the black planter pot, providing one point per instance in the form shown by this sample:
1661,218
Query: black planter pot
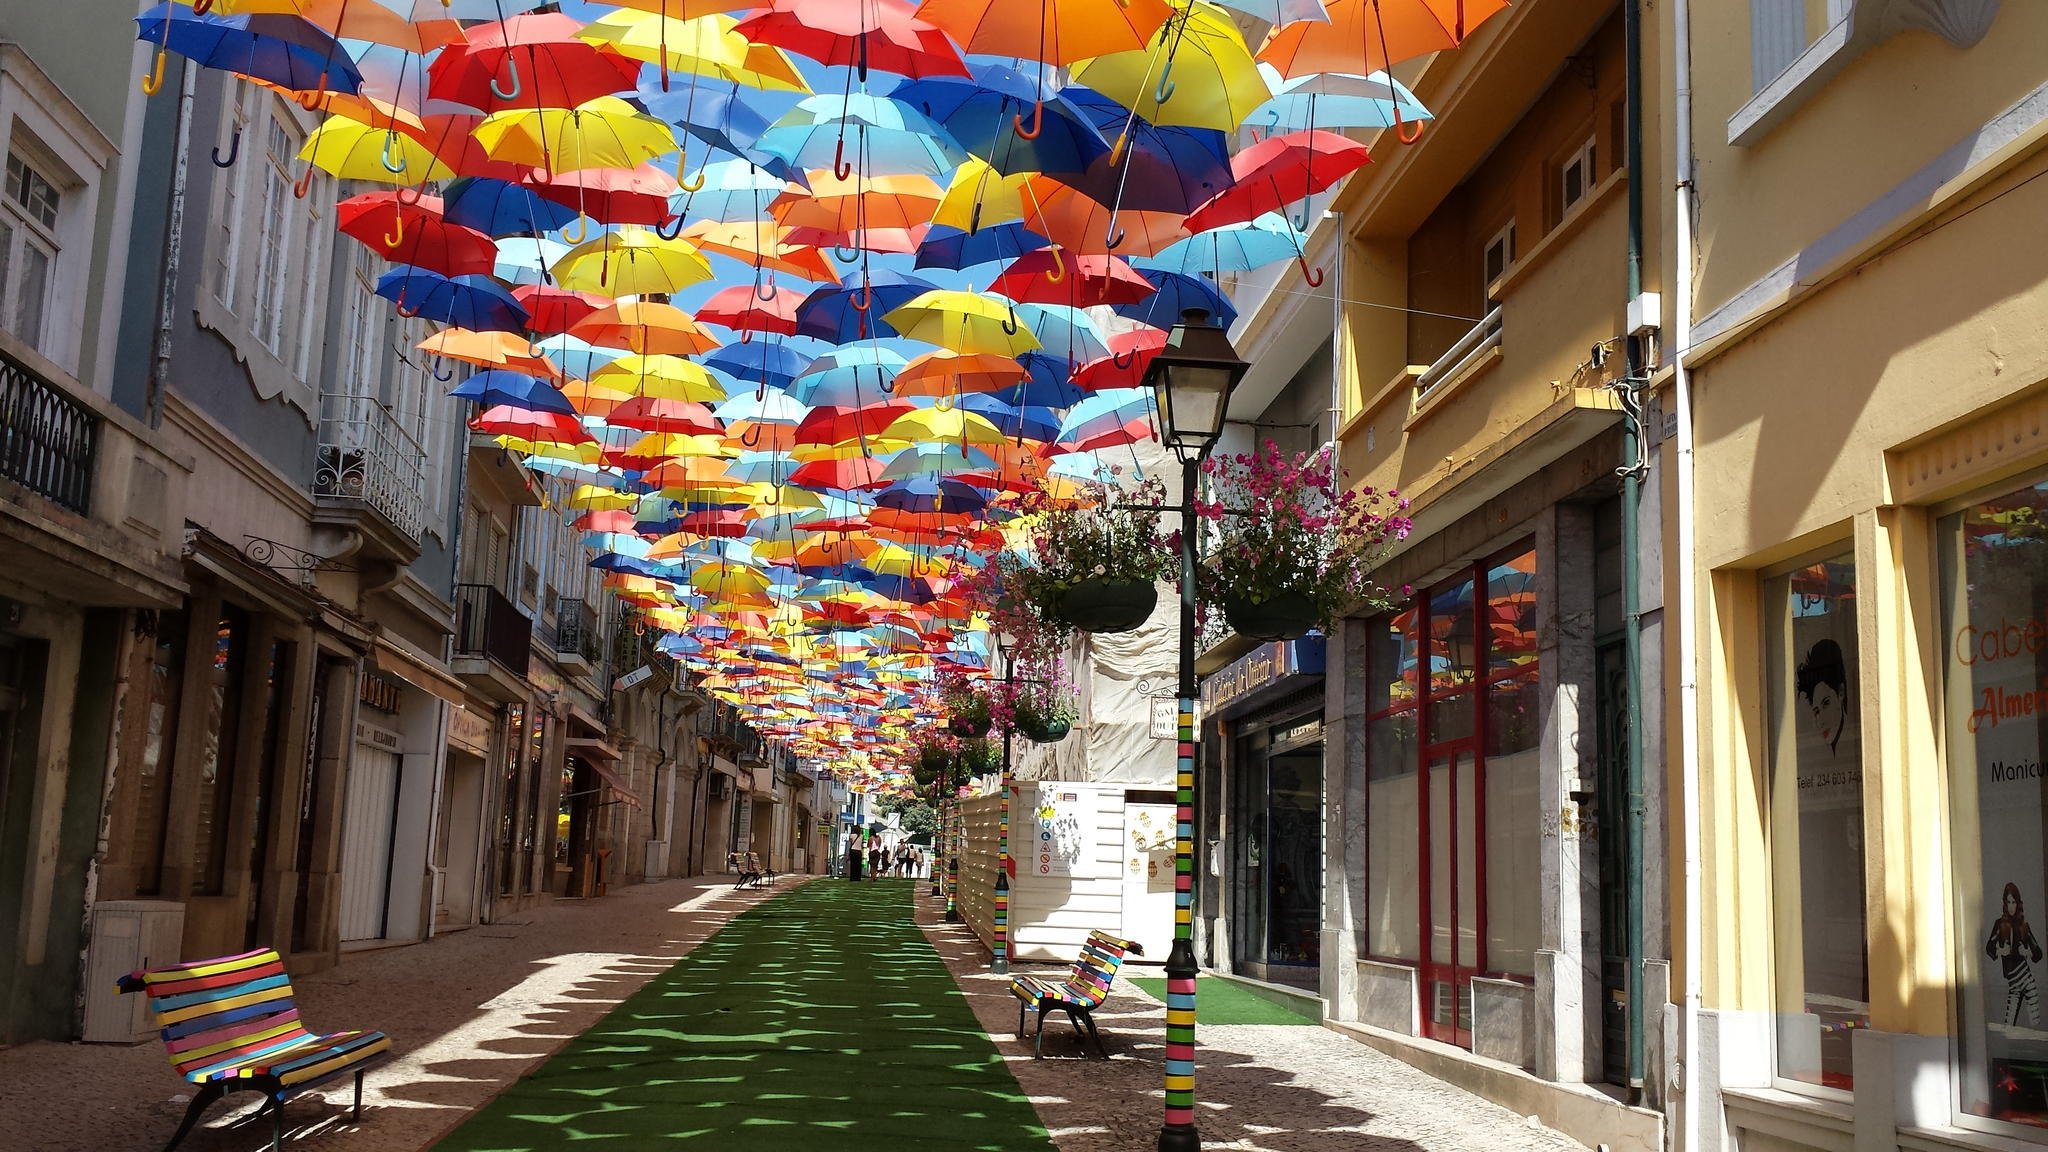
1108,606
1042,731
1288,616
970,727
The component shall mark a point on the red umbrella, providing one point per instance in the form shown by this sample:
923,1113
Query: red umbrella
406,228
1130,433
653,414
1049,276
858,472
884,34
1277,171
722,522
552,311
901,241
527,424
528,61
616,520
1130,354
613,195
838,425
741,309
448,135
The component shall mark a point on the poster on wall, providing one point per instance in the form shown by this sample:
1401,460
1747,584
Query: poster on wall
1061,833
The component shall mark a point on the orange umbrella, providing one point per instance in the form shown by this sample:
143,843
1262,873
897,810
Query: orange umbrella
594,399
858,201
490,350
764,245
943,372
1059,32
357,21
1365,36
1073,220
645,327
654,414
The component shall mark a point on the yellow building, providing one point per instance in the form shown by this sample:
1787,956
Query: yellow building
1861,556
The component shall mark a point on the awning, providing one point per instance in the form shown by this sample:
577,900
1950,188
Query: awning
612,781
578,715
414,670
591,750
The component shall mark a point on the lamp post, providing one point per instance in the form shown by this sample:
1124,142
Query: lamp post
999,951
1191,379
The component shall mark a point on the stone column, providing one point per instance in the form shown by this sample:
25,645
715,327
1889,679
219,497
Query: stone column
1344,680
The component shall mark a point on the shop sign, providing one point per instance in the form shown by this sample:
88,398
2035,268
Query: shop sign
1299,736
1165,719
376,737
1060,847
379,692
1262,668
471,730
633,679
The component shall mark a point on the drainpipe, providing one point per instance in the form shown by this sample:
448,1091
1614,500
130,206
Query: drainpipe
1634,465
1337,353
1687,591
174,248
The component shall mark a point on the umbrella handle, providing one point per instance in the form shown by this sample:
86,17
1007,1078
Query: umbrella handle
1167,87
1059,267
1010,323
695,184
840,167
844,254
512,69
416,191
402,310
1116,151
752,436
153,80
385,158
747,336
1405,136
304,183
201,7
396,236
437,374
234,150
1114,240
311,101
582,233
1124,359
767,297
1037,121
1300,221
863,299
1313,277
670,233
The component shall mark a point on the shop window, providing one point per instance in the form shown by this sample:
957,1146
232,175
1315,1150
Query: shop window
217,761
1816,820
153,767
1513,732
1995,570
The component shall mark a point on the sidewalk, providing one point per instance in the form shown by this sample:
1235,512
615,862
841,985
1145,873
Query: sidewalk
1263,1087
467,1013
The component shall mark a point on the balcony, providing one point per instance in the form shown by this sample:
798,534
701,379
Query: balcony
371,477
493,641
91,501
1474,351
576,638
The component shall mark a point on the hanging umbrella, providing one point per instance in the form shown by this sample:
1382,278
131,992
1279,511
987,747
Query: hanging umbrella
352,150
963,322
932,494
632,261
943,426
1064,329
1048,277
1052,32
701,46
414,231
1334,100
1233,248
604,132
1276,172
875,34
499,208
743,309
1159,168
497,387
1018,424
763,244
1373,35
644,326
1196,72
958,249
728,191
532,61
654,414
614,195
478,303
946,373
668,377
983,113
1176,292
858,131
1076,221
282,50
489,350
553,311
375,23
724,120
844,313
766,362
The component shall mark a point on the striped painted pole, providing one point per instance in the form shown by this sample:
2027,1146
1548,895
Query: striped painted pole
1179,1134
999,960
953,863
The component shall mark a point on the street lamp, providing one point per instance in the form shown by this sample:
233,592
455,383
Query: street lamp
999,951
1191,380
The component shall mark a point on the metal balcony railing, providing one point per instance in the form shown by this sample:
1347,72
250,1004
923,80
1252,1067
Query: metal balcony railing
489,625
367,458
576,631
49,442
1483,338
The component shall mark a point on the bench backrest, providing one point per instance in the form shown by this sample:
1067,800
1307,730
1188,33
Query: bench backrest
220,1011
1096,969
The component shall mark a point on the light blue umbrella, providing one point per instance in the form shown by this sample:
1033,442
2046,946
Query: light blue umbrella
1064,330
872,133
935,460
733,190
850,376
1334,100
1268,239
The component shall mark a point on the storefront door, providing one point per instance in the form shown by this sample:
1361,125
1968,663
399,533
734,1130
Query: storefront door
1454,912
1276,823
368,826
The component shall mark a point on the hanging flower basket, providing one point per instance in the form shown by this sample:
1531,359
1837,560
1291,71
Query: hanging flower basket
1283,616
1043,729
971,725
1108,606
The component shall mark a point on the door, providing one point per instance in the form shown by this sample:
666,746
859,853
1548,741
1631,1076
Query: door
1610,805
368,822
1452,915
459,847
1148,877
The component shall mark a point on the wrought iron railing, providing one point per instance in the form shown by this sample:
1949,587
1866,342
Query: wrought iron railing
49,442
489,625
367,458
576,631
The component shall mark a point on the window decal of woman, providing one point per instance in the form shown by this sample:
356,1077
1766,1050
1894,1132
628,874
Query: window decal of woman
2012,943
1823,682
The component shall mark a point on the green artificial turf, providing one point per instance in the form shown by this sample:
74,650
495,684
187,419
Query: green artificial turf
1219,1001
821,1018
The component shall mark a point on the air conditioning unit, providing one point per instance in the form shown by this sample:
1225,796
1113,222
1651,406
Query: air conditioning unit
127,935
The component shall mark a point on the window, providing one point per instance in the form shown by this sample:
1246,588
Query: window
225,269
1575,177
28,250
1815,812
273,242
1500,256
1995,581
1779,30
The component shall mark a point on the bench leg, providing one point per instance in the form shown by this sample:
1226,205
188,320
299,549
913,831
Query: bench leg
201,1101
1038,1046
277,1125
357,1115
1088,1018
1022,1008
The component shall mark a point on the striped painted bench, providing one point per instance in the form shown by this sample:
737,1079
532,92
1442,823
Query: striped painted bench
1078,995
229,1025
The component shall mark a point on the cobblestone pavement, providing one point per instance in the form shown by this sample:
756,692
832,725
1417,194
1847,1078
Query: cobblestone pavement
1271,1088
467,1014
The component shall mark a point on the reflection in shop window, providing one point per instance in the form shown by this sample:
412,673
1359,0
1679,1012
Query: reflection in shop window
1816,819
1995,569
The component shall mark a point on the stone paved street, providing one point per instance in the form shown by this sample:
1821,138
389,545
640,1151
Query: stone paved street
1271,1088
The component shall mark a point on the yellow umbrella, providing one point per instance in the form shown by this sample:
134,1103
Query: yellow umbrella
1196,73
943,426
663,377
678,444
632,261
353,150
727,579
966,322
703,46
596,498
587,452
978,196
603,133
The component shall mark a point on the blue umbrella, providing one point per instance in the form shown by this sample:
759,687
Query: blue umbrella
1232,248
982,112
500,208
932,494
283,50
1334,100
831,312
1028,423
724,120
499,386
1050,386
1177,292
948,247
1064,330
871,133
760,362
479,303
731,190
1163,169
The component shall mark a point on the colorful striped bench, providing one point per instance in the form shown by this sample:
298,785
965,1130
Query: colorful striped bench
229,1025
1083,990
